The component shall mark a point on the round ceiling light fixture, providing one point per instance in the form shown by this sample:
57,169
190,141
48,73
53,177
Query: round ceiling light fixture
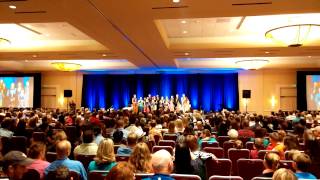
252,64
66,66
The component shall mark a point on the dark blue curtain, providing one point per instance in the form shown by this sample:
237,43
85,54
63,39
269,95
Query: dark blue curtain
205,91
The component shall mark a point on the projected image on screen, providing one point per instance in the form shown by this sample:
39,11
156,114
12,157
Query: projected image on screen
313,92
16,91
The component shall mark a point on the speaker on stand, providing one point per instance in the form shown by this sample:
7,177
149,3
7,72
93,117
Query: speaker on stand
246,94
67,94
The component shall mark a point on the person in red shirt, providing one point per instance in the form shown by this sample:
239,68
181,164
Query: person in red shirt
246,131
94,120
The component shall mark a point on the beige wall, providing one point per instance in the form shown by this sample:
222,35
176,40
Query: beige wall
263,85
63,81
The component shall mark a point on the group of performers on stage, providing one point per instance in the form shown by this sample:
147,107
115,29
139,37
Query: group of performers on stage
153,103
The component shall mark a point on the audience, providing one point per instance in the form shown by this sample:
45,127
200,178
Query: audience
105,158
162,165
140,158
302,164
271,163
63,149
88,147
127,149
37,152
121,171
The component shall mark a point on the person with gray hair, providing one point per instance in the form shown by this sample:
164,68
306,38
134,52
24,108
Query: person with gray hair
63,149
162,165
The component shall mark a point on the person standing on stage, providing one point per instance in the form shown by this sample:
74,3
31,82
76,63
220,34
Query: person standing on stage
176,100
134,101
146,105
166,104
140,104
171,104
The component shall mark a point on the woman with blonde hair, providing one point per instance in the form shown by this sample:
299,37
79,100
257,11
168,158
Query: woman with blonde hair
179,126
284,174
105,158
140,158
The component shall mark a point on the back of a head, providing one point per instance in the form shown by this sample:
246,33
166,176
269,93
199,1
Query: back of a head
140,158
233,134
260,132
37,150
63,148
132,139
274,136
117,136
192,142
60,136
271,160
182,159
238,144
206,132
153,123
87,136
302,161
283,174
105,152
120,123
122,171
162,162
245,124
258,143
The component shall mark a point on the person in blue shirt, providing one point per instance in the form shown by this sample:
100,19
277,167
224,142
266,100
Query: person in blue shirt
206,136
127,150
63,149
301,164
162,165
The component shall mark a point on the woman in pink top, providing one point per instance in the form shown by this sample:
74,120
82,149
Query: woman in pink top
37,152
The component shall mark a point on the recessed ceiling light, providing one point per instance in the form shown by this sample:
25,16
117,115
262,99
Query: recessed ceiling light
309,56
34,56
104,55
184,32
183,22
12,7
267,52
26,60
176,1
186,54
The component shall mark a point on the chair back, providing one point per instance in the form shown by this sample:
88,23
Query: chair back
122,158
222,139
51,156
226,146
250,168
205,144
39,136
244,139
115,148
262,153
84,159
167,143
19,143
220,167
97,175
217,151
157,148
172,137
185,177
249,145
156,139
262,178
225,178
234,155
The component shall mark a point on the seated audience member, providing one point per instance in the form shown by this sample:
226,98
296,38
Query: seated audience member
57,137
302,164
37,152
121,171
162,165
284,174
94,120
61,173
233,135
118,137
291,143
97,135
184,163
132,141
192,143
179,126
140,158
206,136
171,128
274,140
258,145
120,127
271,163
135,127
238,144
88,147
246,131
105,158
15,164
153,131
6,126
63,149
31,174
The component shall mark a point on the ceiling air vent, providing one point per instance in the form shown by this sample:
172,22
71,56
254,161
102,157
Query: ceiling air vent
170,7
30,12
252,3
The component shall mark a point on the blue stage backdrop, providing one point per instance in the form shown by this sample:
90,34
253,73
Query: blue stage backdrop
205,91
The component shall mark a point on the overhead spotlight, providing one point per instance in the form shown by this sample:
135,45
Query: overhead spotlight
12,7
175,1
267,52
184,32
26,60
186,54
34,56
104,55
183,22
309,56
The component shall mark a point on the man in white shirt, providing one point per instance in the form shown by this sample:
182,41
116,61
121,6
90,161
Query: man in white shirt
88,147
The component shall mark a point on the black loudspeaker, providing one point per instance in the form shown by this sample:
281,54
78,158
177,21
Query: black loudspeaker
246,94
67,93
